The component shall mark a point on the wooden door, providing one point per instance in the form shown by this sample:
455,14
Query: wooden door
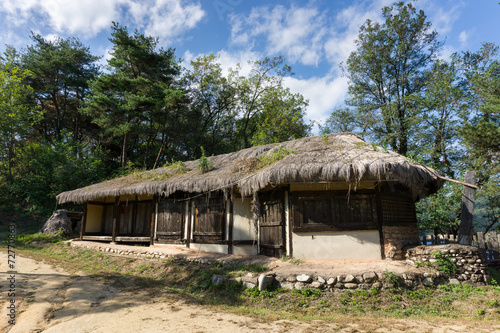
272,224
209,220
170,226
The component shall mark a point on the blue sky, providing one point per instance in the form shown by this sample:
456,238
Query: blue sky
315,36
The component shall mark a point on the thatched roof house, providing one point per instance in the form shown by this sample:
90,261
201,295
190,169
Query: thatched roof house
336,167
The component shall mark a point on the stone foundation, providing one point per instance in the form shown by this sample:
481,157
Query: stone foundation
468,261
396,238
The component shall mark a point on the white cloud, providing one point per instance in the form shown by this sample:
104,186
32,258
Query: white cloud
296,32
87,17
164,18
228,60
323,93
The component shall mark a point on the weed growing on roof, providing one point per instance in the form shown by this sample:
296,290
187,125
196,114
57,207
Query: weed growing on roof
204,164
275,155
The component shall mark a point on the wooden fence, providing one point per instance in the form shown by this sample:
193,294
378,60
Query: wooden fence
488,243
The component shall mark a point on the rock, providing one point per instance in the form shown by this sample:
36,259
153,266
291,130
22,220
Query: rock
218,279
287,285
351,285
58,222
349,279
370,277
427,281
304,278
320,279
248,285
265,281
280,278
300,285
291,278
317,285
331,281
454,281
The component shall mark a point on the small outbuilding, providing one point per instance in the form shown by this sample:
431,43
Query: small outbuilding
322,197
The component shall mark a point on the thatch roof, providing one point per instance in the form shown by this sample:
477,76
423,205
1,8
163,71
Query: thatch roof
337,157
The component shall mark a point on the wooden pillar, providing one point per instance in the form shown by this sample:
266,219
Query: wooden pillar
230,228
134,215
84,221
468,198
288,224
188,236
116,215
380,222
153,217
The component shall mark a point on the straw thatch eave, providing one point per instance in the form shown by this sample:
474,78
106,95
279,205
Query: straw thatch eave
345,157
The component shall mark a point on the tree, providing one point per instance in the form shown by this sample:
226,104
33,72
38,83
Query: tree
253,94
387,73
213,101
282,118
442,104
481,126
132,102
60,70
16,115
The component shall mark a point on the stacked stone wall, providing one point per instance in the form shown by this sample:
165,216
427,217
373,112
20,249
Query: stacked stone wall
396,238
468,261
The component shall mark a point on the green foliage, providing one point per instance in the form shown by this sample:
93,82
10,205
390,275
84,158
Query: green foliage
204,164
277,154
440,213
386,73
28,239
446,265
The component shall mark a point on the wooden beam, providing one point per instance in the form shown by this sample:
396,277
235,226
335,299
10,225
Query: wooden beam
462,183
84,222
468,198
115,218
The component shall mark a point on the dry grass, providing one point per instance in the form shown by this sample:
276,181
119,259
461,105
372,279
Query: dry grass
344,156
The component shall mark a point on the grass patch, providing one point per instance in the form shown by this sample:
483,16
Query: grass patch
191,281
277,154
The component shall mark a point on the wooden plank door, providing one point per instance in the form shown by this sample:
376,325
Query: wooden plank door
170,225
272,224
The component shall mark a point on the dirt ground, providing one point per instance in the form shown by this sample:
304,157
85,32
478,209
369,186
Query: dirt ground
49,299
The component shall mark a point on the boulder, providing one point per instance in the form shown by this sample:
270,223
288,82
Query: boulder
265,281
58,222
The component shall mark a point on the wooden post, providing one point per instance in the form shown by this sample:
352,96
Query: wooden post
188,236
134,215
153,217
84,221
115,219
468,198
380,224
230,228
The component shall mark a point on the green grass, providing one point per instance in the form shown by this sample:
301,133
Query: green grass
192,282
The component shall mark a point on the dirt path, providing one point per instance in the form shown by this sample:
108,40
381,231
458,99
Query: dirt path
49,299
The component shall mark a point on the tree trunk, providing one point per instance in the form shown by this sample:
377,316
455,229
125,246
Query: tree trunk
124,150
468,198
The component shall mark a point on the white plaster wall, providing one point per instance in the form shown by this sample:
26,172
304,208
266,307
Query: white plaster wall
350,245
94,218
245,249
243,228
209,247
